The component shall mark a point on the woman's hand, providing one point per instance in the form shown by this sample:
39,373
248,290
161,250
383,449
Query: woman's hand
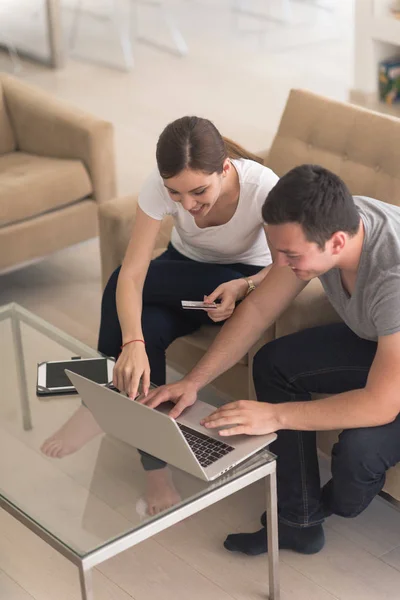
131,365
228,293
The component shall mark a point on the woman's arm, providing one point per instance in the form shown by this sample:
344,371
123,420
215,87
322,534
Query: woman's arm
133,363
133,273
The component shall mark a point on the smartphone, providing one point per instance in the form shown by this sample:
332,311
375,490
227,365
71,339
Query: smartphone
52,380
198,305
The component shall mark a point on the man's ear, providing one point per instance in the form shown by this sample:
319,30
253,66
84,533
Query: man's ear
338,242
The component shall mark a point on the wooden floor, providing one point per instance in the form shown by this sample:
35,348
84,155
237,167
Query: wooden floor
239,77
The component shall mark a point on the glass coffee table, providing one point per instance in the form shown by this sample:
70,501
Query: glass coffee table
89,505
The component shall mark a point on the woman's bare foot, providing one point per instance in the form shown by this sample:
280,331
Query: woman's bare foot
160,491
75,433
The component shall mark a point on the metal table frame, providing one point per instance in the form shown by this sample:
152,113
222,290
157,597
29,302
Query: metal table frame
85,563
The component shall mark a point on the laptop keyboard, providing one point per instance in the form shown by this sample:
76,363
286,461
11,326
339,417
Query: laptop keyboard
206,449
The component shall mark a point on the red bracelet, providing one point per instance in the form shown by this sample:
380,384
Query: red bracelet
131,342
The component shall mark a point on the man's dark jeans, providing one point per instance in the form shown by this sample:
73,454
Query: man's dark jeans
324,360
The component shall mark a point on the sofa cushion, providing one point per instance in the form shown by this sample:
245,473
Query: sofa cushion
31,185
7,140
359,145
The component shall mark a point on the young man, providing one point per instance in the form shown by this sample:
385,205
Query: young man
317,229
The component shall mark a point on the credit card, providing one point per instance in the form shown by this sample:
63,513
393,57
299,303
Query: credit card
198,305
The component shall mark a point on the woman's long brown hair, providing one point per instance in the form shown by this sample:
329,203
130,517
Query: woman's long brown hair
195,143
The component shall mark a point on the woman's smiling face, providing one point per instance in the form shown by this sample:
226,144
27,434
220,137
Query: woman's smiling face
196,191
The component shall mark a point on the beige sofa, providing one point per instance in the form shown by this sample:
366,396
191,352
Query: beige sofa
361,146
56,165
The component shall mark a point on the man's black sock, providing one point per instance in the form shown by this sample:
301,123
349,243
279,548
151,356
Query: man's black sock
306,540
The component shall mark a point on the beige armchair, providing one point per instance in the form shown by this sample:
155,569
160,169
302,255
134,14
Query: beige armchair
56,166
361,146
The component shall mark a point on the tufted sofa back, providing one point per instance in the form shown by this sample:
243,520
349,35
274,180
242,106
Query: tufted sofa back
359,145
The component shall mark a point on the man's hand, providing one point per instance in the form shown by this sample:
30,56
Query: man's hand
182,394
244,416
228,294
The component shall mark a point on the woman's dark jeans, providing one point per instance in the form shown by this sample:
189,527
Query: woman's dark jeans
171,278
325,360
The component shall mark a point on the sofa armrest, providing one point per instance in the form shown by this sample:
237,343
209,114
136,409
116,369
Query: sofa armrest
309,309
116,219
45,126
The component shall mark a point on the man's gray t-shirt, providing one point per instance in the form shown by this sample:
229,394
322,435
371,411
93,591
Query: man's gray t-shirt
373,309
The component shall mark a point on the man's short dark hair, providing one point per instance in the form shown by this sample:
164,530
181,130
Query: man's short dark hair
315,198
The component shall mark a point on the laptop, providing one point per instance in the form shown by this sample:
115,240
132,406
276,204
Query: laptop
183,442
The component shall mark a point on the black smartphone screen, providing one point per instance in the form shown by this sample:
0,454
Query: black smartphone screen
94,369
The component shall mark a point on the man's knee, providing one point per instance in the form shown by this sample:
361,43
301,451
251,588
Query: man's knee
263,358
268,369
269,359
357,456
358,472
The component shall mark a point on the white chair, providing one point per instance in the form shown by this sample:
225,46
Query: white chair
12,52
241,7
282,9
124,17
180,47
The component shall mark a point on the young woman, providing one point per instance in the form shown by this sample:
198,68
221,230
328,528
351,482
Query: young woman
214,191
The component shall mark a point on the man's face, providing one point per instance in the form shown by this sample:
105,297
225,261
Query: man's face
290,247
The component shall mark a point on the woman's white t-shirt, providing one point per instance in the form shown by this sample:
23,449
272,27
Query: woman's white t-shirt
240,240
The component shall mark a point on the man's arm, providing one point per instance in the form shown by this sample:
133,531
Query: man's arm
257,312
260,309
376,404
